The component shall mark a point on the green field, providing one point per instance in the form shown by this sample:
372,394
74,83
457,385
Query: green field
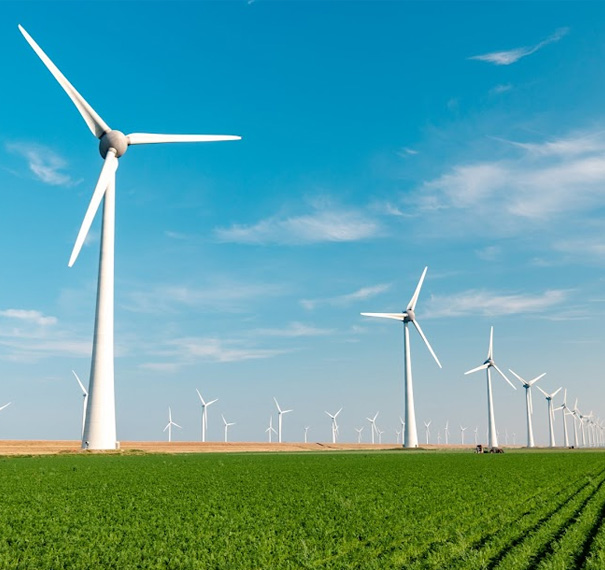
325,510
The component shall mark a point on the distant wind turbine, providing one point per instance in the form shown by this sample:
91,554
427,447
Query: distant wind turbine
462,430
306,431
100,423
271,430
527,384
280,413
565,411
334,424
359,430
427,430
85,394
487,366
227,426
447,432
170,424
205,406
551,415
373,425
406,317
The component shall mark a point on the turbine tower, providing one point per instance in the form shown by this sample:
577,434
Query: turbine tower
100,423
170,424
409,316
527,384
492,438
85,394
205,413
306,432
551,415
280,413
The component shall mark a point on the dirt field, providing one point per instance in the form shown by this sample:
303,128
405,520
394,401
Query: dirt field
41,447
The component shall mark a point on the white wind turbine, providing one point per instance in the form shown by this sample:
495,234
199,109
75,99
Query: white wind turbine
85,394
409,316
380,432
271,430
492,438
551,415
373,425
205,413
576,414
334,424
280,413
170,424
306,432
447,432
565,411
359,430
427,431
529,407
462,430
227,425
100,423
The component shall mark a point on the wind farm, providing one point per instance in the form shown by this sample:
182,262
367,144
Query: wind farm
232,284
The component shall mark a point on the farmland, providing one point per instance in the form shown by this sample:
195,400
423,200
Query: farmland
304,510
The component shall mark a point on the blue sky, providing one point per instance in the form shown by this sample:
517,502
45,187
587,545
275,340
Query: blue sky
378,137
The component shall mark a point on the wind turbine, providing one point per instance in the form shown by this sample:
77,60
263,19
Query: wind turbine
409,316
205,413
170,424
359,430
227,424
271,430
565,411
380,432
306,431
100,423
576,414
527,384
551,415
373,425
462,430
492,438
447,432
85,394
334,424
427,431
280,412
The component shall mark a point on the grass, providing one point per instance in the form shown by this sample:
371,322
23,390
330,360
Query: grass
324,510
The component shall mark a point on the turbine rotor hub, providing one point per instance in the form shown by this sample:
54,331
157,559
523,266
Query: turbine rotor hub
113,139
409,316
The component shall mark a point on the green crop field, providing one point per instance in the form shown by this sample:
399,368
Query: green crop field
327,510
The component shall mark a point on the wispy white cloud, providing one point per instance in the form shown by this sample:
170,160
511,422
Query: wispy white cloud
489,253
46,165
325,223
511,56
545,180
293,330
491,304
348,298
175,235
406,152
499,89
31,316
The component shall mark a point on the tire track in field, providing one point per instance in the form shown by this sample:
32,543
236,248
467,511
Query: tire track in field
550,542
481,542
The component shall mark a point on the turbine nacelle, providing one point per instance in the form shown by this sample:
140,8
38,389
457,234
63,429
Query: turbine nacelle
116,140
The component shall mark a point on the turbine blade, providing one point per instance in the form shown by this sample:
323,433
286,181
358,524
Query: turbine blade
532,382
79,382
417,325
212,401
519,378
396,316
556,392
176,425
503,376
201,399
490,351
278,408
543,392
97,126
414,299
107,175
5,406
338,412
482,367
150,138
167,426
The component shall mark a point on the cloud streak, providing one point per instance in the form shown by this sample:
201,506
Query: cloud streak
322,225
509,57
45,164
490,304
348,298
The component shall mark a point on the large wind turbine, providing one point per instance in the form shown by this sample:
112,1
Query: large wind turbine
170,424
565,410
551,415
527,384
409,316
205,413
100,423
85,394
492,437
280,413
